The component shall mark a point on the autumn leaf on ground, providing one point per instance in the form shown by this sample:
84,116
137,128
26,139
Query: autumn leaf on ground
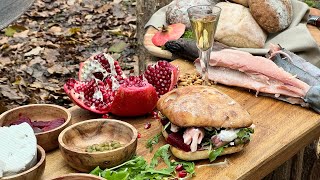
9,31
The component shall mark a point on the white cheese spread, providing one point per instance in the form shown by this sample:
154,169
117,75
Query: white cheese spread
18,150
228,135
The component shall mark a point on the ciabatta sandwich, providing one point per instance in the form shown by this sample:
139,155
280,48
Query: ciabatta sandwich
200,122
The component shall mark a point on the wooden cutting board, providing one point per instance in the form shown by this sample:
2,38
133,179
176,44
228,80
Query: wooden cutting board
281,131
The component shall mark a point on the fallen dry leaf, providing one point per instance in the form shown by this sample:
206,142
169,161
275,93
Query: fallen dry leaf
5,60
35,51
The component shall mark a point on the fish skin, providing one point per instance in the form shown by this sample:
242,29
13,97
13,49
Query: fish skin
313,98
187,48
304,70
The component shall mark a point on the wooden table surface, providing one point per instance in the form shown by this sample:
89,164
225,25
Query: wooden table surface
281,131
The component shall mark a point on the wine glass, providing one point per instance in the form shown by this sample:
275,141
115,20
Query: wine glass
204,20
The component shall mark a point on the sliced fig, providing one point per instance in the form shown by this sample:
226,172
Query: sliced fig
167,33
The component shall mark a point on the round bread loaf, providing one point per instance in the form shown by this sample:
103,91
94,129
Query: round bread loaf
243,2
177,10
237,27
272,15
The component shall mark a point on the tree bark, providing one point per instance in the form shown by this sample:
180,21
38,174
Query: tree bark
145,9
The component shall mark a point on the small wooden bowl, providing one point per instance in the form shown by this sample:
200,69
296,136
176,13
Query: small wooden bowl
33,173
78,176
48,140
74,140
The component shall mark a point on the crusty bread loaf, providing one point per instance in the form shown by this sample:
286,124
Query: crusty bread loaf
237,28
243,2
177,10
272,15
202,106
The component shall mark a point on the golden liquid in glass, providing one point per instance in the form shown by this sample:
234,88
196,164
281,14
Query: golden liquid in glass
204,29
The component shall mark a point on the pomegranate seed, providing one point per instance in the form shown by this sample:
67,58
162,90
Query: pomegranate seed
182,174
147,125
105,116
155,115
139,135
179,167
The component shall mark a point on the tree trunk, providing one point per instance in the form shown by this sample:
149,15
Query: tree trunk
145,9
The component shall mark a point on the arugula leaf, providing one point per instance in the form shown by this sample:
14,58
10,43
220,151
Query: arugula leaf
97,171
215,153
188,34
162,152
245,133
116,175
152,141
138,169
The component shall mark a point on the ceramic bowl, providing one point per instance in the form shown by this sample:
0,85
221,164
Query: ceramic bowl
74,140
78,176
33,173
48,140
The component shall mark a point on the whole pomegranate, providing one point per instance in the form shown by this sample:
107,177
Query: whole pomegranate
102,88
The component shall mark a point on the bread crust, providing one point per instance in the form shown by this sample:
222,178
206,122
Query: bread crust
237,27
202,106
272,15
204,154
242,2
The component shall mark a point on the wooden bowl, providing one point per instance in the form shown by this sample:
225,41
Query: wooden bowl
48,140
74,139
78,176
33,173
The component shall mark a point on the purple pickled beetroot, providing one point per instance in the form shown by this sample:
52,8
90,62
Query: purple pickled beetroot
22,119
176,140
54,124
41,124
164,121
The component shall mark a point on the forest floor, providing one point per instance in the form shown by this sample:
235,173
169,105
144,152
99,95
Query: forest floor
44,47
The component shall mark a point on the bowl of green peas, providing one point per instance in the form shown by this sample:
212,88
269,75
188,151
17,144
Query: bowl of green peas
98,142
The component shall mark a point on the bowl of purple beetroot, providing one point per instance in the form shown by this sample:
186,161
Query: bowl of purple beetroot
46,120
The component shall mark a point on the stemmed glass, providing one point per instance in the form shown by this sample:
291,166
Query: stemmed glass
204,20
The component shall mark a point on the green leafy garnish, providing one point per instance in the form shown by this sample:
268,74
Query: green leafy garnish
215,153
162,152
138,169
188,34
244,133
152,141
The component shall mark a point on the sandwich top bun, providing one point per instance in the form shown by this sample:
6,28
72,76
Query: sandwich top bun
202,106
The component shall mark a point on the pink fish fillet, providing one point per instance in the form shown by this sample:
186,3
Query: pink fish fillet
237,68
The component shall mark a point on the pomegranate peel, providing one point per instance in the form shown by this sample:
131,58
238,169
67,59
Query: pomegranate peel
103,89
167,33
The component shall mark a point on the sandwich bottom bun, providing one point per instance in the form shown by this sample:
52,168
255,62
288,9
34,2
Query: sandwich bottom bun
198,155
204,154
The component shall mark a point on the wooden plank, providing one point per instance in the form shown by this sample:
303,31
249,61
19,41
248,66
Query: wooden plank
281,131
314,30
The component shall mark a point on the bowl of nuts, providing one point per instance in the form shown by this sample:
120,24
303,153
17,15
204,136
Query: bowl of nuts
98,142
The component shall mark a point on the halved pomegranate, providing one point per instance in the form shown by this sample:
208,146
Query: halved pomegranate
102,88
167,33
